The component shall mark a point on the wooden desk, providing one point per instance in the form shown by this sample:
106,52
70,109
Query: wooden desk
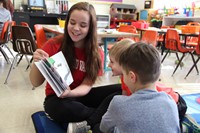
106,38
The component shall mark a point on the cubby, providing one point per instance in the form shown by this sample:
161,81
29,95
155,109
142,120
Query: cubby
122,14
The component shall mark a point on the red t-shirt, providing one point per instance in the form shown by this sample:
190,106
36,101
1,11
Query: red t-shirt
124,87
78,73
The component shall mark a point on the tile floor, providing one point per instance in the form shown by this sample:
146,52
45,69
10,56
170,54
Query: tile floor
18,101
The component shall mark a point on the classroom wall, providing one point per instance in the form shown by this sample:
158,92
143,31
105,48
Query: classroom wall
101,7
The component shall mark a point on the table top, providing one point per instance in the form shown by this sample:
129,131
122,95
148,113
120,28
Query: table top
165,30
101,33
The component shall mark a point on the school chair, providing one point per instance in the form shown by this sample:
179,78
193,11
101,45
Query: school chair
150,37
40,35
161,36
191,27
23,44
5,38
27,25
197,53
126,28
172,43
24,24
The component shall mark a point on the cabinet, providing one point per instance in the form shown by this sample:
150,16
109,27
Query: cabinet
122,14
33,18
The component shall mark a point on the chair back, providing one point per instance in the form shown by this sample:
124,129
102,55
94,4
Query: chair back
40,35
127,28
13,23
6,32
198,45
24,24
23,40
150,37
172,40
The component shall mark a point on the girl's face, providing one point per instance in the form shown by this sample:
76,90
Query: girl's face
78,26
114,65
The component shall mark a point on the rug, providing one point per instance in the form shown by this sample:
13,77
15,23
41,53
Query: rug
193,105
43,124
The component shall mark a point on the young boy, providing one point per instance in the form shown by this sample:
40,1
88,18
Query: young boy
114,54
145,110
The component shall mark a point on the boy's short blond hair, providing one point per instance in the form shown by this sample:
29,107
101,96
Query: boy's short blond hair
119,47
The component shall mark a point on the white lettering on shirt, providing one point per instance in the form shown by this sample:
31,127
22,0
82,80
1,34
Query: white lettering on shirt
80,65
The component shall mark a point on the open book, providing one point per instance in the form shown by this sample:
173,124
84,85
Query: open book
56,71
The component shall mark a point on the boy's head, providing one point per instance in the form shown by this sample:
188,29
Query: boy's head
115,52
141,64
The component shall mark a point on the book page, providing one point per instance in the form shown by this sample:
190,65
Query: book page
56,71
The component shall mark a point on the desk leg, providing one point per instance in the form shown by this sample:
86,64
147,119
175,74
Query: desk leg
105,52
105,43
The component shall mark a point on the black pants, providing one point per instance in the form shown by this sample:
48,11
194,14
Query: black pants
95,119
66,110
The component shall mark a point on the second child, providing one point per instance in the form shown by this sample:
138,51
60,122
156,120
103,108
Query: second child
145,110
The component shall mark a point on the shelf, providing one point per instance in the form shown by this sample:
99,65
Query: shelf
123,20
122,13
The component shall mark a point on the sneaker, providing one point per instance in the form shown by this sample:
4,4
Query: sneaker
78,127
190,125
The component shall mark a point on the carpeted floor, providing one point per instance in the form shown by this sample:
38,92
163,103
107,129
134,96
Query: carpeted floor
193,105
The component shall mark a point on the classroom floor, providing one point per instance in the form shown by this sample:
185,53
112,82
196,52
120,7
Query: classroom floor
18,101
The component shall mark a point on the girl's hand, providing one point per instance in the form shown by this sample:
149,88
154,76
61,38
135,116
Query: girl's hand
39,54
65,93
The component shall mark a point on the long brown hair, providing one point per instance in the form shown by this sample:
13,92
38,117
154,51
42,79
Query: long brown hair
4,3
93,63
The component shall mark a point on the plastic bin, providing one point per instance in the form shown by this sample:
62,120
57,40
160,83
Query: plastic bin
192,27
140,25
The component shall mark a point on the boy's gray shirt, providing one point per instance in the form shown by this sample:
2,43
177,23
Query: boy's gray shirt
145,111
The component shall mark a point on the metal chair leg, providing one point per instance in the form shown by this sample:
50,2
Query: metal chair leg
11,67
195,63
20,59
29,63
9,50
165,56
178,63
5,55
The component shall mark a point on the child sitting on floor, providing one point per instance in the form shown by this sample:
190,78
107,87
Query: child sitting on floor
145,110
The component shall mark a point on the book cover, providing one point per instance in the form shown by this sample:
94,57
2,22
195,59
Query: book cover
56,71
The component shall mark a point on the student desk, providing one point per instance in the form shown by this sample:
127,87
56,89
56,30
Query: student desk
106,37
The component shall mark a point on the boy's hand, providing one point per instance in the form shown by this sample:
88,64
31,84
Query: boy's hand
40,54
